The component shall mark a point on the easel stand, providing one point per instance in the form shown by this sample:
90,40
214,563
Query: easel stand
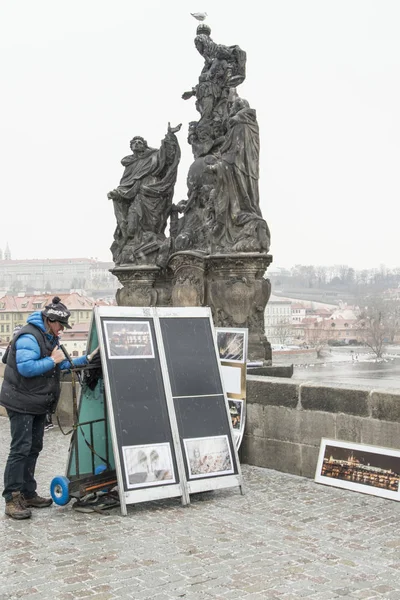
158,424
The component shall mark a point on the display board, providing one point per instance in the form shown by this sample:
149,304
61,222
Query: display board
232,349
199,401
168,415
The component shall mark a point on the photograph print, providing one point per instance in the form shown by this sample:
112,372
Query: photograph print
236,411
208,456
232,344
148,465
128,339
358,467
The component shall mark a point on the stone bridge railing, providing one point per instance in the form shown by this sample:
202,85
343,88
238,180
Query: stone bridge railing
286,421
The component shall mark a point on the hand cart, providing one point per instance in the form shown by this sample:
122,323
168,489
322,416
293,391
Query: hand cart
90,467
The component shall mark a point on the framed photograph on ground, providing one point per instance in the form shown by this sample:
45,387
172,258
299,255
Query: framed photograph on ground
360,468
208,456
129,339
148,465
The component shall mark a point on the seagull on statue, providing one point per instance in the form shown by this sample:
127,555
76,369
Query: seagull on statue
199,16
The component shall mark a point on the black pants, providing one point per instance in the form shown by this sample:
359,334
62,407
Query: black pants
26,442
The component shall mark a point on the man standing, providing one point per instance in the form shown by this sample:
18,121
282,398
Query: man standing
31,388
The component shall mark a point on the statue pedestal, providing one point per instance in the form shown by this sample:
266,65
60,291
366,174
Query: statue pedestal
233,285
238,294
138,285
188,283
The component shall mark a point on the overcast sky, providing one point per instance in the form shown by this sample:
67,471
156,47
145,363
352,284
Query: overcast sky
80,78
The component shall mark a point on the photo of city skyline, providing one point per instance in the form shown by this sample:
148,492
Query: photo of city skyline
382,461
355,466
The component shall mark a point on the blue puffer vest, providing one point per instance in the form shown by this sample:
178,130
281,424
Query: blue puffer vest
34,395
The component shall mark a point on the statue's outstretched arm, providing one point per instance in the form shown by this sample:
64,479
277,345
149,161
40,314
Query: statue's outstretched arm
187,95
174,129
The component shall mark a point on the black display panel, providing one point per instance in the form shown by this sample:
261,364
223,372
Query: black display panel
191,358
137,391
201,416
199,401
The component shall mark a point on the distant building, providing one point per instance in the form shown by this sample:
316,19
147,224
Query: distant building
298,313
75,340
60,274
329,330
277,320
14,310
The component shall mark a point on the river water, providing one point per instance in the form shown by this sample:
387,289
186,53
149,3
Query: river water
354,366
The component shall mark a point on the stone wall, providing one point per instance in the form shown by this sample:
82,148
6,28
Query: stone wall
286,421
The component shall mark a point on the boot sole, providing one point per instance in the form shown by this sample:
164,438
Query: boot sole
18,517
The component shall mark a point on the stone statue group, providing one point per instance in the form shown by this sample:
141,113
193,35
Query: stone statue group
221,213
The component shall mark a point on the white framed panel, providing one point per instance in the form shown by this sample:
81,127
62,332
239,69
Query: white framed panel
131,490
361,468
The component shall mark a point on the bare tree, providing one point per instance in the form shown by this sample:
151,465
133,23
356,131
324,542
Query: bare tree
283,332
317,337
321,275
379,322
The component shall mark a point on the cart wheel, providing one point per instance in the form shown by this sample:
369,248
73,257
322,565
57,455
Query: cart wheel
59,490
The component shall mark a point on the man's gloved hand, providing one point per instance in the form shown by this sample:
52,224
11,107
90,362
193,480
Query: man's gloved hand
91,356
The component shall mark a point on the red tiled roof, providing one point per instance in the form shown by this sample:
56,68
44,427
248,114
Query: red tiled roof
29,303
328,323
101,302
78,327
79,331
310,319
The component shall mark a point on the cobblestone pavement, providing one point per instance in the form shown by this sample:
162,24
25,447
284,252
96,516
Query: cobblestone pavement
287,538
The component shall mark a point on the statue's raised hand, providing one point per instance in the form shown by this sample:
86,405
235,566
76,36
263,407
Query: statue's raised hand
174,129
187,95
113,195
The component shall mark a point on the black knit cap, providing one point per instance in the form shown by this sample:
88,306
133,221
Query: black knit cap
57,311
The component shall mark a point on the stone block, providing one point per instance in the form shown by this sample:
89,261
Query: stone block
380,433
335,399
315,425
385,406
272,454
309,459
348,428
255,420
261,390
282,424
272,371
